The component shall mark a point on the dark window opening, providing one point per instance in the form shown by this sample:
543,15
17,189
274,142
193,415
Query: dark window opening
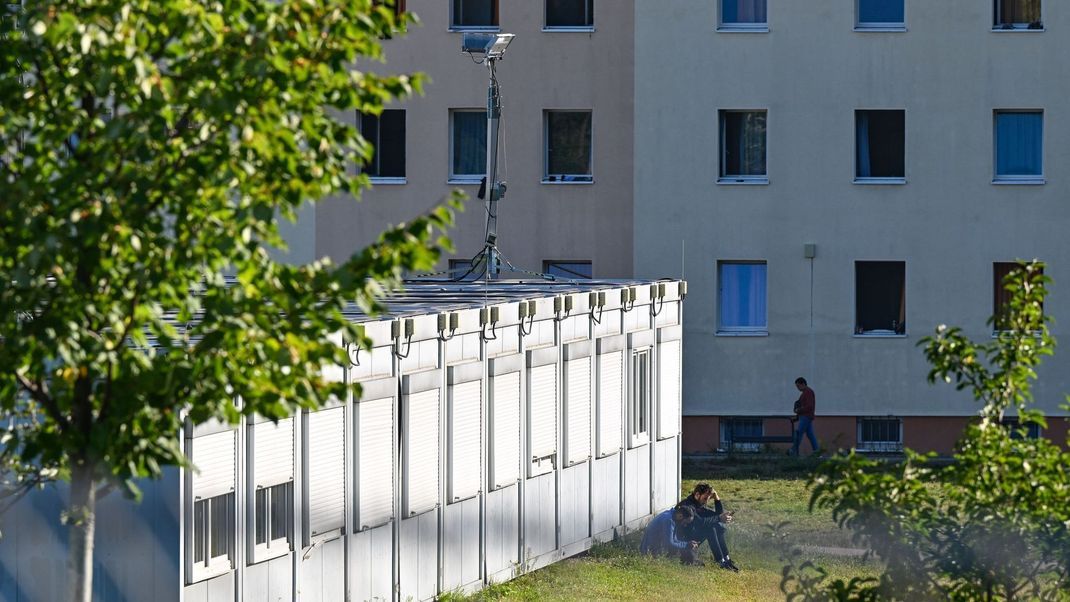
569,13
569,270
1016,14
386,133
880,144
1001,297
742,144
1029,430
475,13
568,146
880,297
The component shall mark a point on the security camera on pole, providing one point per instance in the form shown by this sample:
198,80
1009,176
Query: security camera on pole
492,48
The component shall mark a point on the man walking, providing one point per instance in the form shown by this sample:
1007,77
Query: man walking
804,412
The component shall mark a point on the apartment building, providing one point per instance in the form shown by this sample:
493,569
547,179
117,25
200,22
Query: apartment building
835,178
566,138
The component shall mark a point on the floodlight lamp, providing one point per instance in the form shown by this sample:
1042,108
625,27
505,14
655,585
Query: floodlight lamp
492,45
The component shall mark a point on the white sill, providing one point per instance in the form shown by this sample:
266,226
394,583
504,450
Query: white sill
387,181
879,336
743,181
743,28
742,333
263,553
202,573
465,181
880,181
463,499
998,29
568,182
569,29
474,28
378,524
881,28
1029,181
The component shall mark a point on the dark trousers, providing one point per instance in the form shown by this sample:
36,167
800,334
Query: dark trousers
711,531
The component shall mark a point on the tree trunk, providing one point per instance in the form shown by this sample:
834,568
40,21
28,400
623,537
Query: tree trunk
81,525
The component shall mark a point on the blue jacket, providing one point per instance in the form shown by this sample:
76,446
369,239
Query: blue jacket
660,536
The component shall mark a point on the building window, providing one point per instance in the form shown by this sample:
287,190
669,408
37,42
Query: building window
880,146
568,270
273,517
880,435
639,406
1019,146
1001,297
462,269
386,133
743,15
1017,14
213,528
569,14
743,146
468,145
880,297
741,297
738,428
880,14
568,146
474,14
1029,430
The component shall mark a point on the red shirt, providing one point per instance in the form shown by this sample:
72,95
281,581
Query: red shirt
806,403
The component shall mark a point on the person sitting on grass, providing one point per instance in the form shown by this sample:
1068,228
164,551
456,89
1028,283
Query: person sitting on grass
662,536
709,523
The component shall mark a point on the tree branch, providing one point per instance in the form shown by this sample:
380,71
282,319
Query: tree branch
39,393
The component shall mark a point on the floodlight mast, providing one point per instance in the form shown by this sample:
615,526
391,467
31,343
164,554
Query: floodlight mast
493,47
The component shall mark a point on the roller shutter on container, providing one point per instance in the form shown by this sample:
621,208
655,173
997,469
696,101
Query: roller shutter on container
542,419
505,429
326,470
578,409
273,452
669,395
422,452
375,460
214,459
465,430
610,401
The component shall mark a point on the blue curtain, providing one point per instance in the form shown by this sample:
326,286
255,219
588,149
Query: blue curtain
743,295
743,11
862,143
1019,145
469,143
880,11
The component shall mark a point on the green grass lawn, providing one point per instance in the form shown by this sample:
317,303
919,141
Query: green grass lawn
762,490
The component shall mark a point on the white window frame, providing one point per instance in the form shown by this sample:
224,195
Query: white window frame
723,177
388,180
723,330
463,178
879,446
640,392
213,445
997,4
881,179
588,7
489,28
878,26
741,27
211,566
1030,179
280,546
556,179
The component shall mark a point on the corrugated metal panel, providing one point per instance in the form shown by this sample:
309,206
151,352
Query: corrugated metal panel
542,420
326,470
213,455
578,409
375,460
273,452
422,449
466,427
610,401
505,429
669,395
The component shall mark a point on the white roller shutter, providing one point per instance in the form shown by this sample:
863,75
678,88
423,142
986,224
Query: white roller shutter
375,459
326,470
610,401
542,416
669,391
422,452
213,457
273,452
465,430
578,410
505,429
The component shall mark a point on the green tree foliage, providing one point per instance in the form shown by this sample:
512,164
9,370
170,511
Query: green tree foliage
995,523
147,151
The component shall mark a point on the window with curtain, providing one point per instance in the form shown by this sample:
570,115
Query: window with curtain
880,297
743,145
1019,146
386,133
880,14
1017,14
743,14
742,296
569,14
880,145
1001,297
568,146
474,14
569,270
468,145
